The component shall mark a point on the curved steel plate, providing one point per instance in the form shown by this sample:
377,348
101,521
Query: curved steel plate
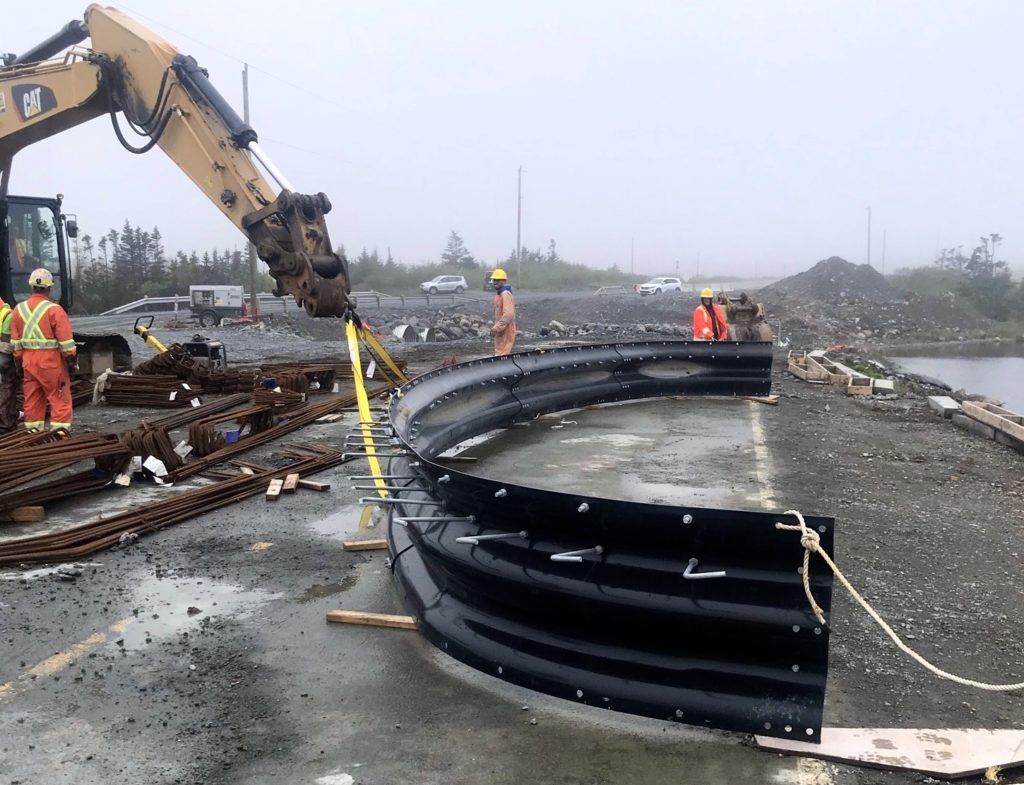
616,619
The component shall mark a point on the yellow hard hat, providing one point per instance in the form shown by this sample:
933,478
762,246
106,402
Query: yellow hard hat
706,292
499,275
41,277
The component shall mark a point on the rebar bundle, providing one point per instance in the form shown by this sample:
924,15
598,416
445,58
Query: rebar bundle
97,535
180,364
280,399
297,418
165,392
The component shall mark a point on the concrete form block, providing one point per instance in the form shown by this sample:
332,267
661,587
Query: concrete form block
975,427
1009,441
944,405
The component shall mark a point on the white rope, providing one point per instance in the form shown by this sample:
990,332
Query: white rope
811,543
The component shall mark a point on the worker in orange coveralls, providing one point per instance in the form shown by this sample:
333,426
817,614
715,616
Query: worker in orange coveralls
504,328
44,347
8,374
709,320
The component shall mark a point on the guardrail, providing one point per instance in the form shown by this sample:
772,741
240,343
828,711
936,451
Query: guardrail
382,300
180,303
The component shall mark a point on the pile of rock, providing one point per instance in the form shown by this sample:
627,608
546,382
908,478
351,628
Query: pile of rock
839,302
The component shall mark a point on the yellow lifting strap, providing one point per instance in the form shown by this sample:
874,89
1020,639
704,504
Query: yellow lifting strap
351,333
374,348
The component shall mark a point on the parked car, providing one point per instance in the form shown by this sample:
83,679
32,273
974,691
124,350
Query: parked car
444,283
659,285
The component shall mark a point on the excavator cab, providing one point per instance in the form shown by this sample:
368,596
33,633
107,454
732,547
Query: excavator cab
32,235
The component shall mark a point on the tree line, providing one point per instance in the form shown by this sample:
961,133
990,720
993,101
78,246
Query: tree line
130,263
541,269
979,277
125,265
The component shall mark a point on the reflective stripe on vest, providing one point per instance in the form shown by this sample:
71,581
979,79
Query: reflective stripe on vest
32,334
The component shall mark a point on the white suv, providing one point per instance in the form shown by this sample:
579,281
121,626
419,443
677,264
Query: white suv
659,285
444,283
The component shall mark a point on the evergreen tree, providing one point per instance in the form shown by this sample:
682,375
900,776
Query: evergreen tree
457,255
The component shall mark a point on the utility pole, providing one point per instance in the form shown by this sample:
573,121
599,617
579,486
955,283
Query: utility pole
631,257
869,236
519,230
254,301
677,268
883,251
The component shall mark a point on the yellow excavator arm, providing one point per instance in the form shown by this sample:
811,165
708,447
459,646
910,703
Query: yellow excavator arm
143,81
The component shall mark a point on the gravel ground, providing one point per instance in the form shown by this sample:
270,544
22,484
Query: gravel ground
110,678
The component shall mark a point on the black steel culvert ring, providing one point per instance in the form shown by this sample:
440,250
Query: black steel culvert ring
600,600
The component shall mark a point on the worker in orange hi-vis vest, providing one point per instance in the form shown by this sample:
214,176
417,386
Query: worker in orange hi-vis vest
45,348
504,328
708,320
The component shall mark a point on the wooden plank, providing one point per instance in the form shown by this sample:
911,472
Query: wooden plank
997,417
859,389
364,545
246,470
274,490
801,371
313,485
291,482
29,514
949,753
372,619
833,373
771,400
328,418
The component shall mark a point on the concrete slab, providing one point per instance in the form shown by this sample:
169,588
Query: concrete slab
973,426
944,405
691,451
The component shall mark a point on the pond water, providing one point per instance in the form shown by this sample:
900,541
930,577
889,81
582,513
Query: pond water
995,370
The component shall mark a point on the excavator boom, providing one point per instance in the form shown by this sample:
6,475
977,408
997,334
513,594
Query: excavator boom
167,99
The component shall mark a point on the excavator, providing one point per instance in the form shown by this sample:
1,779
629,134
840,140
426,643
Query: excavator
167,100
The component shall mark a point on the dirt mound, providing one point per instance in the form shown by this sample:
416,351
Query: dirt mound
835,281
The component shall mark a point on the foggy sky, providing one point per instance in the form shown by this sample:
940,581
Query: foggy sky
753,134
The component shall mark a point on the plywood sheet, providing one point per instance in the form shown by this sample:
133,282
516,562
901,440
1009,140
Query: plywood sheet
948,753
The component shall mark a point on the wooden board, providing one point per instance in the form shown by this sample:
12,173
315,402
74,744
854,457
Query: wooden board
950,753
30,514
859,389
835,373
291,482
372,619
364,545
274,490
246,470
313,485
771,400
329,418
803,367
802,372
997,417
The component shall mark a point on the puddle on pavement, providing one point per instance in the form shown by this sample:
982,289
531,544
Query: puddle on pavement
343,521
320,590
169,599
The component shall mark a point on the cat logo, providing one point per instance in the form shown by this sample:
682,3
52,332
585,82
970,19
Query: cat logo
32,100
